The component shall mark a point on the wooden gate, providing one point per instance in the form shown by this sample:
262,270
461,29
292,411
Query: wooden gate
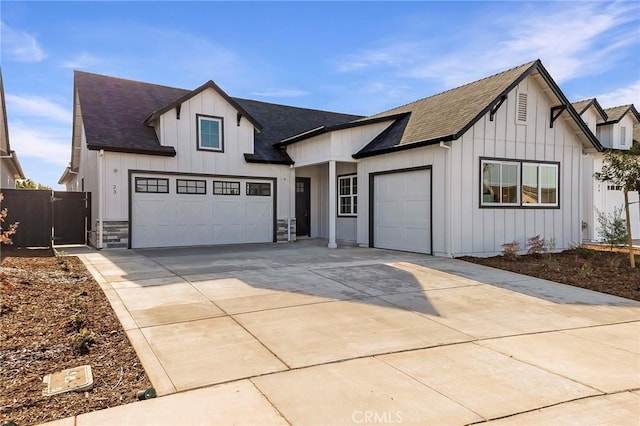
47,217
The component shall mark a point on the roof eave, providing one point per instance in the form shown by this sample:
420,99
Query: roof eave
320,130
209,84
253,158
404,147
168,151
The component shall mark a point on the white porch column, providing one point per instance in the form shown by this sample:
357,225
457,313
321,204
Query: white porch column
332,204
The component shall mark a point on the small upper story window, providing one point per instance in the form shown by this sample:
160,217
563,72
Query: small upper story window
210,133
623,136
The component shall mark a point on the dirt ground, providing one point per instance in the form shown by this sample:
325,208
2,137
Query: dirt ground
603,271
46,303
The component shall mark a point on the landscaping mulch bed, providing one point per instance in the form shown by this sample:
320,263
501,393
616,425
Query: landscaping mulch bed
603,271
46,303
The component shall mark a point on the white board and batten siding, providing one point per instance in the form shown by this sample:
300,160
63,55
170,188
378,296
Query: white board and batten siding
482,231
182,135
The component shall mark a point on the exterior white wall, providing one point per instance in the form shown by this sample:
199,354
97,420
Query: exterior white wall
609,134
606,199
182,134
431,155
6,176
457,216
481,231
346,227
590,117
338,145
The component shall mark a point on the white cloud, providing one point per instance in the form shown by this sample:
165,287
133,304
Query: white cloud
281,93
37,106
19,45
50,144
621,96
82,61
572,39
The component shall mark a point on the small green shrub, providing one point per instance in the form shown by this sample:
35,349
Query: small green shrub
612,227
82,340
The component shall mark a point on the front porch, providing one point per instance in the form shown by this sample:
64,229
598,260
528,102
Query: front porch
326,202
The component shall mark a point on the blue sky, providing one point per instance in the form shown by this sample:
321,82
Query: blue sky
354,57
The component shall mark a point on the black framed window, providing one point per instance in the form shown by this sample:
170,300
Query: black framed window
348,195
191,186
262,189
226,188
152,185
519,183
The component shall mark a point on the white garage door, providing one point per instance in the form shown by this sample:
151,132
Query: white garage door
189,211
402,211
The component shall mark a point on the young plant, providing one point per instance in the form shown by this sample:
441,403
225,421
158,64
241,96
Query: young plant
510,250
82,340
612,227
536,245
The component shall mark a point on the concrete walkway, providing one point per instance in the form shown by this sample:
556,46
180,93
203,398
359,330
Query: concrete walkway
300,334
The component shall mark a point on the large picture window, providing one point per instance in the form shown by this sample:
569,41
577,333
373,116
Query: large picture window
348,195
210,133
507,183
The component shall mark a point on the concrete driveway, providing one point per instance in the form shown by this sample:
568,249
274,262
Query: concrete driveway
300,334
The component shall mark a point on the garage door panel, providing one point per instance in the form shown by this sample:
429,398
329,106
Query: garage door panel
171,219
402,211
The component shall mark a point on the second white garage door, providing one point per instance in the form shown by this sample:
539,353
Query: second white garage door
175,210
402,210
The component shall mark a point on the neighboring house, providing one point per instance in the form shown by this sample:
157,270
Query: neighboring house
10,168
616,129
461,172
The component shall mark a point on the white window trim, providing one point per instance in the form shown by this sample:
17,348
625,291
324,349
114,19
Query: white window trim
353,196
539,167
518,183
219,120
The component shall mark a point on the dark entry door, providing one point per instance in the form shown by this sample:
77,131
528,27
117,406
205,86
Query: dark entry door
303,203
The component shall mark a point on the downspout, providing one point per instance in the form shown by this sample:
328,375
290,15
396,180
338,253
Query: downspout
581,185
100,194
447,187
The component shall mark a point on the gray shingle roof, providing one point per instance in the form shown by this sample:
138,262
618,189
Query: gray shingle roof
615,114
448,115
114,111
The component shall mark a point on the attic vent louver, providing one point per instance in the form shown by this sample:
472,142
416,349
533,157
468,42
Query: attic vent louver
521,113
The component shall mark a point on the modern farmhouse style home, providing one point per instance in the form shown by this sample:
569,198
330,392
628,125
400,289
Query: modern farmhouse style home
615,128
460,172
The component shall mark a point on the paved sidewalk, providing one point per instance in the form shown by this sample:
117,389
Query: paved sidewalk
300,334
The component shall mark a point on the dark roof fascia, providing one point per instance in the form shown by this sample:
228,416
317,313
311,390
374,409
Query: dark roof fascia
351,124
403,147
168,151
570,109
631,108
253,158
594,103
209,84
